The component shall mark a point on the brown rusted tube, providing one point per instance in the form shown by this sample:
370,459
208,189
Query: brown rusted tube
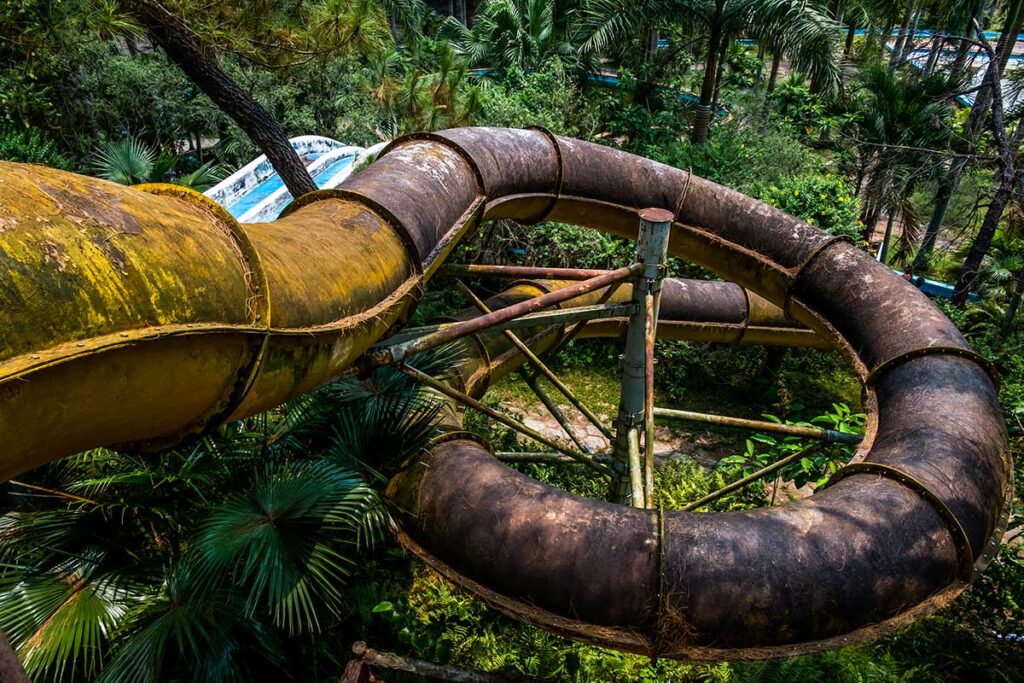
520,272
888,540
132,318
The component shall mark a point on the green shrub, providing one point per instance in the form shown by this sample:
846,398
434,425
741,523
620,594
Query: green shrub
824,201
548,97
29,146
744,156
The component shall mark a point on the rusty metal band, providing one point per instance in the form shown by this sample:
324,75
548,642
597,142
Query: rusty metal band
460,435
369,204
746,317
256,281
988,553
838,341
536,284
481,189
967,354
683,194
257,284
658,641
797,271
965,556
559,178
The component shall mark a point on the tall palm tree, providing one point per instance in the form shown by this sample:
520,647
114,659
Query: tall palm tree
801,27
521,33
902,126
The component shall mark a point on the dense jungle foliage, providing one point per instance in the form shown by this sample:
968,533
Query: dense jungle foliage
266,549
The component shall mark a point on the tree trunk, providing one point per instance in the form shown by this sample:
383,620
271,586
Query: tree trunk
1011,310
901,37
851,34
1007,181
947,185
1007,41
933,56
774,76
887,238
200,64
702,121
650,44
908,44
972,129
723,54
983,240
956,70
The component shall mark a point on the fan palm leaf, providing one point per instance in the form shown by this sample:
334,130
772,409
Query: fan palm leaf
128,161
287,541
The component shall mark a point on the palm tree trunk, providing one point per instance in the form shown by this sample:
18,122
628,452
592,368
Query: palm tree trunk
774,76
908,44
1007,41
650,44
702,121
948,182
723,54
851,34
933,56
200,64
901,37
956,70
1011,310
883,38
1000,198
888,236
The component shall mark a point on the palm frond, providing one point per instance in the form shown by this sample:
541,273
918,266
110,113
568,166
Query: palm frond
128,161
287,542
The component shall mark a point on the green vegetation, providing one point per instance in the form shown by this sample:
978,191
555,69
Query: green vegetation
264,550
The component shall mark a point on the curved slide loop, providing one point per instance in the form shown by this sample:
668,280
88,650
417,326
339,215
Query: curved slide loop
125,317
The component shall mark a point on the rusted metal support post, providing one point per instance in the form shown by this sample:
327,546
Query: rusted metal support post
470,402
564,316
749,479
543,369
652,251
827,435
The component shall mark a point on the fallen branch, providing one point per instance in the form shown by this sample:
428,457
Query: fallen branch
358,670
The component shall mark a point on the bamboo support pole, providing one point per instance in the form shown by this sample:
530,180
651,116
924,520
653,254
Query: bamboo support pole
827,435
541,367
750,478
476,405
519,272
556,412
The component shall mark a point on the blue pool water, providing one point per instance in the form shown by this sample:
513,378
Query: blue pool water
274,183
325,174
256,195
